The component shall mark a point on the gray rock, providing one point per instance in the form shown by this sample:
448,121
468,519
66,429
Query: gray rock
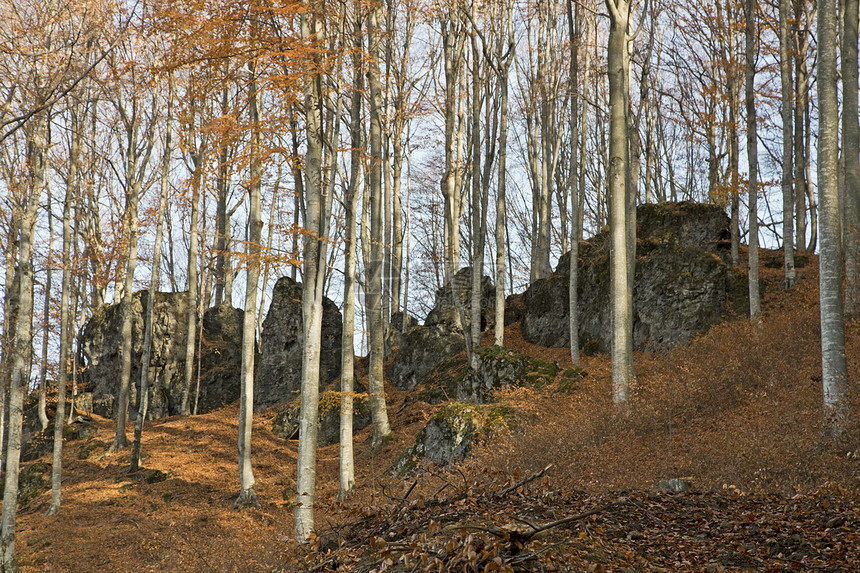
394,337
221,359
675,485
444,312
446,438
279,370
286,423
421,351
101,345
502,368
682,283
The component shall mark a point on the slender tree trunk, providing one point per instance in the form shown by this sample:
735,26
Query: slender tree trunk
752,156
833,362
789,275
379,413
622,360
36,158
193,302
149,317
122,405
574,29
65,319
43,370
473,330
504,62
851,154
801,106
247,495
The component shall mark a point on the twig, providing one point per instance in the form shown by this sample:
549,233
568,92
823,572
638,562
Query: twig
523,482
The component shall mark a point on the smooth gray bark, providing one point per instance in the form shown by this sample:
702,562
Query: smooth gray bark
752,156
851,155
786,112
622,359
834,368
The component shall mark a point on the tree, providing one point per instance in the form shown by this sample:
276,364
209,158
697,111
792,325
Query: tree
154,278
851,155
622,359
752,155
834,368
247,495
317,212
379,413
37,144
790,275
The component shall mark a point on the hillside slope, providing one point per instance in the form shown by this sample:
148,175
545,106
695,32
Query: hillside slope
736,413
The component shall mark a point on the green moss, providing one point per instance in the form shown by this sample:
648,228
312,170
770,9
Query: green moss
569,381
453,410
497,418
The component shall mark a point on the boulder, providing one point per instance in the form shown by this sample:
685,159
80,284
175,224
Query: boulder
221,358
279,370
501,367
396,330
444,312
682,283
286,423
101,345
451,432
446,438
421,351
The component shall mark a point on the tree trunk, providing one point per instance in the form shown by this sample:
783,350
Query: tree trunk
752,156
834,369
574,30
153,282
622,360
347,462
43,369
65,319
851,154
379,413
199,159
247,495
789,273
36,158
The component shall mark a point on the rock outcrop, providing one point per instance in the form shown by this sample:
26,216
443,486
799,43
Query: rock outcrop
279,370
682,283
446,438
444,312
451,433
286,422
101,346
500,367
421,350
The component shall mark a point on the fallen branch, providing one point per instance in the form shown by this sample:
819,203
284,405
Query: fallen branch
523,482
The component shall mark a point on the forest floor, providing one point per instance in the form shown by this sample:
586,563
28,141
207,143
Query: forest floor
736,414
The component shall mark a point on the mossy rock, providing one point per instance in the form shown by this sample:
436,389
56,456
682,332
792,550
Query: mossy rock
286,423
451,433
500,367
33,481
570,380
441,384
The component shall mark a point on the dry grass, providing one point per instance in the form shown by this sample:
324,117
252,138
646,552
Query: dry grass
739,407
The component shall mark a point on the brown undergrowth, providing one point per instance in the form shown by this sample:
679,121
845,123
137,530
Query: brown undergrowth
736,413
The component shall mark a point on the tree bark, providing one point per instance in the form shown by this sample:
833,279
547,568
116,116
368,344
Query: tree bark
622,360
786,111
247,495
834,369
752,156
379,413
36,159
851,154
